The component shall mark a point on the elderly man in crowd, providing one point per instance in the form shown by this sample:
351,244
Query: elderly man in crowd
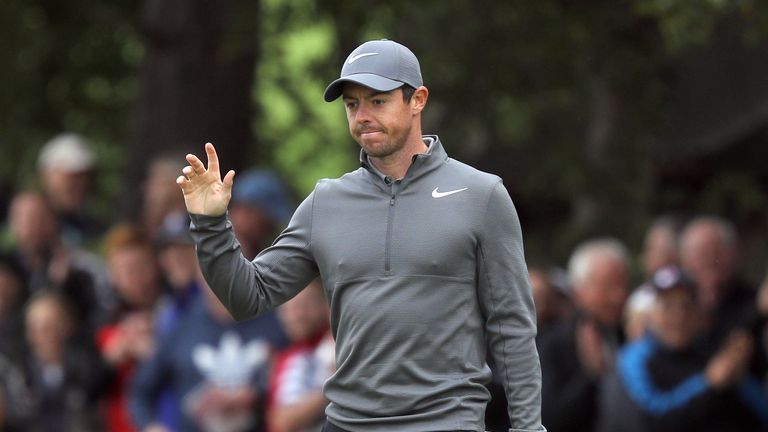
599,275
708,252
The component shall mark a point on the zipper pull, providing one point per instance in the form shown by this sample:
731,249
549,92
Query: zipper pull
392,201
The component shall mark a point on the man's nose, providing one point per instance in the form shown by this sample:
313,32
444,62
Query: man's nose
362,116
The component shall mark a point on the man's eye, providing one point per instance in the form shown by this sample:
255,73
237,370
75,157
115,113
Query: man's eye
378,101
350,105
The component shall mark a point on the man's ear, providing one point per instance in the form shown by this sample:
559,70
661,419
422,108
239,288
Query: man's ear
419,99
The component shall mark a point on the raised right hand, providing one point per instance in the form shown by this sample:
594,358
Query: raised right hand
205,193
731,362
589,346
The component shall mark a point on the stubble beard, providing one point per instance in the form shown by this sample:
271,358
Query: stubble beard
391,145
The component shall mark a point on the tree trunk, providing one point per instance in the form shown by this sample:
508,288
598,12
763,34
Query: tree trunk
195,84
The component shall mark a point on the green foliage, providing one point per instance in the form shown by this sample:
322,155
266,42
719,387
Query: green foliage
688,23
567,101
69,66
301,135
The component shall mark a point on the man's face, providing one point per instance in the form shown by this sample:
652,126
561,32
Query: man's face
179,264
306,314
47,328
66,190
135,275
707,257
659,249
252,224
675,318
32,222
380,122
542,295
603,292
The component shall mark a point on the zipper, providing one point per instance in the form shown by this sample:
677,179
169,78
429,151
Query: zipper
390,222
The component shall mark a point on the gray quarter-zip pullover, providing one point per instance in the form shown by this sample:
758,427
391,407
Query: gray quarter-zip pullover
422,275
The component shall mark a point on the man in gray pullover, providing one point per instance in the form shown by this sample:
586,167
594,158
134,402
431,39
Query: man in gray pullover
421,258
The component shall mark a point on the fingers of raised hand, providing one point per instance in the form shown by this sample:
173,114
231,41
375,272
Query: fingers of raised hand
195,164
229,178
213,158
189,171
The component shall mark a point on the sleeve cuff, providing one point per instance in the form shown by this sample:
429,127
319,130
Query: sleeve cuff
198,222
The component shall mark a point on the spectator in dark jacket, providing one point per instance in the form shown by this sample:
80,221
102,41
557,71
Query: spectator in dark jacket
12,298
666,381
576,354
47,263
64,376
709,254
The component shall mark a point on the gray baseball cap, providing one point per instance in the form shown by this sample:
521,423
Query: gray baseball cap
382,65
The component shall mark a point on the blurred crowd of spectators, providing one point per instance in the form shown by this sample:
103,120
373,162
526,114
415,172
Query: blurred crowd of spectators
685,350
112,327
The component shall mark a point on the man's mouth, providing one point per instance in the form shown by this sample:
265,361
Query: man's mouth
369,132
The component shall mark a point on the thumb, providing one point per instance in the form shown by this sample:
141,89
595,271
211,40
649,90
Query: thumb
229,179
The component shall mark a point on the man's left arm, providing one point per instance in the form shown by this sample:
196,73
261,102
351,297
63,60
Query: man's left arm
504,293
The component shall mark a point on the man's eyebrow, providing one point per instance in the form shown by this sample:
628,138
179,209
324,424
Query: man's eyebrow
369,95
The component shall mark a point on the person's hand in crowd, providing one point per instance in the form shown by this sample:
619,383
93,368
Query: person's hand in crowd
117,350
137,329
762,298
205,193
590,348
2,411
156,427
730,363
238,400
59,266
133,341
218,400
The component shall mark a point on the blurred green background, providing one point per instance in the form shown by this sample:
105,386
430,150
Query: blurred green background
599,115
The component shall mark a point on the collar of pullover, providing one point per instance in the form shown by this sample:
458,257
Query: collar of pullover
421,163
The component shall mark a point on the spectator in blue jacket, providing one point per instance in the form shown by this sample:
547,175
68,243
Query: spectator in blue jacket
667,381
217,367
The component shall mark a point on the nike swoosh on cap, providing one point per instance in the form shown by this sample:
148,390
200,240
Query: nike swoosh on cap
354,58
436,194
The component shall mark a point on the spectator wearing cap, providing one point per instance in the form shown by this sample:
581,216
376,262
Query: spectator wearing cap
179,269
160,194
65,165
660,249
578,352
260,206
181,272
666,380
